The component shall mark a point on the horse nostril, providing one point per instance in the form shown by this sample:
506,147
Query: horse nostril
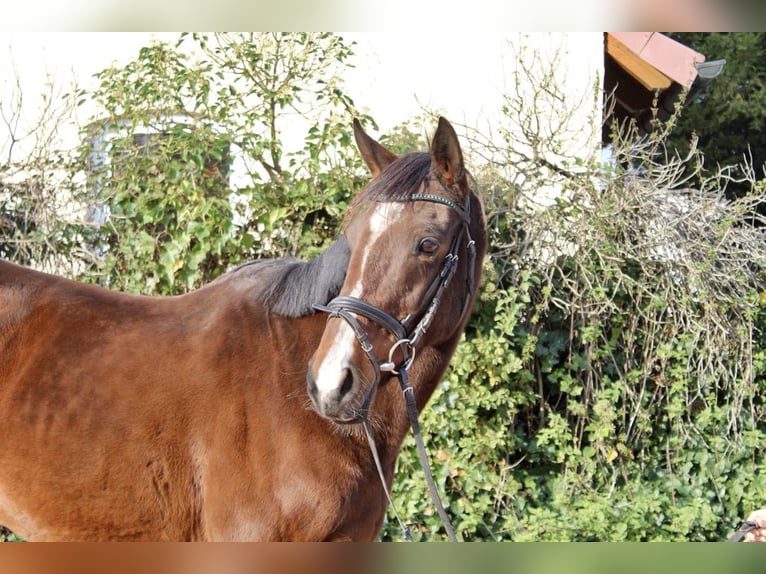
348,383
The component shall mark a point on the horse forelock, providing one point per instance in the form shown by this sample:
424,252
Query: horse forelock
401,179
408,175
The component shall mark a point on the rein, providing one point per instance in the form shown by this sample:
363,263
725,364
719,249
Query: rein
406,338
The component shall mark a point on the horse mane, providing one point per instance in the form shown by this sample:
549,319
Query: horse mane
294,286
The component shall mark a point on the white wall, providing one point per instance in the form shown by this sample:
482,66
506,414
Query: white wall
464,76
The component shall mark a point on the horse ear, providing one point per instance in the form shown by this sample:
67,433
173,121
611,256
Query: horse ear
446,154
374,155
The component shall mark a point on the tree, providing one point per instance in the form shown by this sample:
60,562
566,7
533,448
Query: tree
276,81
35,209
728,116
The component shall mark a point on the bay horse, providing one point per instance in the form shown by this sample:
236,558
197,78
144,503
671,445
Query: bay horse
234,412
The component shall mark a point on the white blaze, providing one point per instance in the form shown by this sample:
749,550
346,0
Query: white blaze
383,215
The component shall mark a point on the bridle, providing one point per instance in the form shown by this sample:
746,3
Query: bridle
407,334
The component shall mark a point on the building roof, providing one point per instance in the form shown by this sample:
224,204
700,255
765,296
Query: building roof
648,72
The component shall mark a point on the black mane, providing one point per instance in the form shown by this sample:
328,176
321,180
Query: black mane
295,286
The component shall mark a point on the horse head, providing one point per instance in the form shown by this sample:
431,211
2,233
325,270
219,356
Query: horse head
411,278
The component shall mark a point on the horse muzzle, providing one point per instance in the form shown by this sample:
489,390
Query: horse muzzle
337,395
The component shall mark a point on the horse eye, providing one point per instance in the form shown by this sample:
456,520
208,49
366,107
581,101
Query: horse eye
428,246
